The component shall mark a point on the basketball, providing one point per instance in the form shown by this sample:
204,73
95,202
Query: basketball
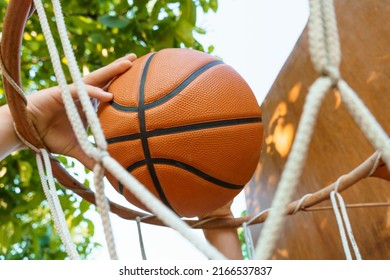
187,126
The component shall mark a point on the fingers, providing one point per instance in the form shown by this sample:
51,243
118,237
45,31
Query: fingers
93,92
222,212
105,74
98,93
130,57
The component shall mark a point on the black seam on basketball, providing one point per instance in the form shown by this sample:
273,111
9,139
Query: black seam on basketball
184,128
123,108
123,138
144,139
188,168
129,169
183,84
171,94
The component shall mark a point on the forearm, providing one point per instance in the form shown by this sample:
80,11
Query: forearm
225,240
9,142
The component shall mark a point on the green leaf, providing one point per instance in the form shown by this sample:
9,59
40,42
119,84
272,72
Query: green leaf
184,32
205,5
63,160
25,172
200,30
214,5
91,227
4,239
84,206
98,38
210,49
35,243
86,183
84,23
113,21
27,205
44,240
17,235
156,10
188,11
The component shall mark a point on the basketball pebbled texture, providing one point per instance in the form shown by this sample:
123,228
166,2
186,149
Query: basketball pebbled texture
187,126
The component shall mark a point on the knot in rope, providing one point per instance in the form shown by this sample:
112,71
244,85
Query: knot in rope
100,155
300,203
333,73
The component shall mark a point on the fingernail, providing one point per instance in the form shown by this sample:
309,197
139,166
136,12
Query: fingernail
127,62
106,94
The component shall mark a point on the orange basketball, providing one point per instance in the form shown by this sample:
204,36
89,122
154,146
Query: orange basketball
187,126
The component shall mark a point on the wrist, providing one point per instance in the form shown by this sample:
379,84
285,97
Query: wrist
9,141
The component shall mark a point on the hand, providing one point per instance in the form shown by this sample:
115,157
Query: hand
49,116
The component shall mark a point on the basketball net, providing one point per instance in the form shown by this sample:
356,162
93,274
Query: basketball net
325,54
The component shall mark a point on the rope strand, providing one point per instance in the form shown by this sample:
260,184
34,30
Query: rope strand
293,168
140,238
342,219
48,185
103,208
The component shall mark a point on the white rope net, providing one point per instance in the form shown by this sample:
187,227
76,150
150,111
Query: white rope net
325,53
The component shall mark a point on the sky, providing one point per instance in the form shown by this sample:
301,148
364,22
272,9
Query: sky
253,36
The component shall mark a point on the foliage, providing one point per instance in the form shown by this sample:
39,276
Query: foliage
241,237
100,31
